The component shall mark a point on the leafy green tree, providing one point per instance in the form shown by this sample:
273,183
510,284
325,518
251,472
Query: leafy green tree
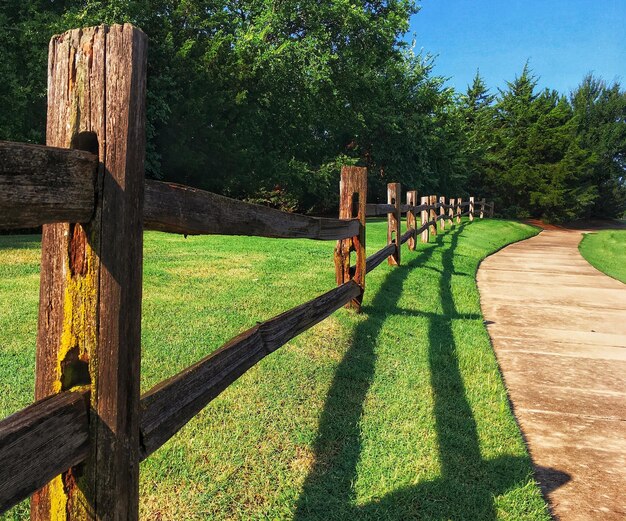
23,58
266,99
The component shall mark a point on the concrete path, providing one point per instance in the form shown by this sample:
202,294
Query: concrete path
558,327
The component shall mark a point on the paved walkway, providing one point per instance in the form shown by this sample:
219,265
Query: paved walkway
558,327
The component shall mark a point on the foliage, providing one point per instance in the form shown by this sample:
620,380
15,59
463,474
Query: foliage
544,155
265,100
600,119
259,96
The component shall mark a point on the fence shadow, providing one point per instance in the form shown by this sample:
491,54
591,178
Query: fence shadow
467,483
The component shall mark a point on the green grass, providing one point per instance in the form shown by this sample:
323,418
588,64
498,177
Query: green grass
396,413
606,251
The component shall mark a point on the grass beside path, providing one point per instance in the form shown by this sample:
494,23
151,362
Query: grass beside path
396,413
606,251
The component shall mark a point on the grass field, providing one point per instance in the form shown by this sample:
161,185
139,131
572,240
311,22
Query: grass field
397,413
606,251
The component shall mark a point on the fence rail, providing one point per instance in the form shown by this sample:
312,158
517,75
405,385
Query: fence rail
172,403
41,185
176,208
89,418
41,441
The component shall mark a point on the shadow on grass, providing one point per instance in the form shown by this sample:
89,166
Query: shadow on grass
13,240
468,483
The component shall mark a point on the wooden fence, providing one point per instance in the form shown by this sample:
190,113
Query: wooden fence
77,449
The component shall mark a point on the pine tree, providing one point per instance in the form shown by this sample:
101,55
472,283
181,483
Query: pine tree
476,107
599,114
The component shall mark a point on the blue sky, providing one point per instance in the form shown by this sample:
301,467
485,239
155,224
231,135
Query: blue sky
563,39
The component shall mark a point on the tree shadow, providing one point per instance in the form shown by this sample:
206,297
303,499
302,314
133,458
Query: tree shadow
468,483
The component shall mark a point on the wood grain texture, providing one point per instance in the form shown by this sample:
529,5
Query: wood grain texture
381,209
172,403
407,235
68,301
459,206
353,182
117,390
442,213
411,222
425,234
394,230
471,208
432,214
451,205
374,260
40,442
174,208
90,293
41,185
424,227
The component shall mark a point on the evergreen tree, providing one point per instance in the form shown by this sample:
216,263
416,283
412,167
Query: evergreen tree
477,113
538,165
599,114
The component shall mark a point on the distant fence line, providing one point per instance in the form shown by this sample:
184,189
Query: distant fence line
77,449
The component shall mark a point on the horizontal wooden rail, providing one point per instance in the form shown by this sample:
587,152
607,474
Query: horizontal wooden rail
41,185
374,260
425,226
407,235
172,403
176,208
374,210
40,442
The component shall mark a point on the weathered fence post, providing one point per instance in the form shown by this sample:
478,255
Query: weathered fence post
432,214
491,209
471,208
424,219
411,222
90,294
482,208
442,212
394,222
459,210
451,212
353,182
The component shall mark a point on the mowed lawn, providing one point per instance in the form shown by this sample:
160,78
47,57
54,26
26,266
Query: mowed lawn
396,413
606,251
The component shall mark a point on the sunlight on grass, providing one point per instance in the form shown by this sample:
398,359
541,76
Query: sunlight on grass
392,414
606,251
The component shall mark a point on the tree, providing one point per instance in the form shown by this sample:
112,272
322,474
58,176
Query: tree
538,166
477,113
599,113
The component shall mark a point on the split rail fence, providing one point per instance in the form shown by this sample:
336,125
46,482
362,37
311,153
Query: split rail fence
77,449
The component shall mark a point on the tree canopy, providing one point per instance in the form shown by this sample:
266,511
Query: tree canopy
266,99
